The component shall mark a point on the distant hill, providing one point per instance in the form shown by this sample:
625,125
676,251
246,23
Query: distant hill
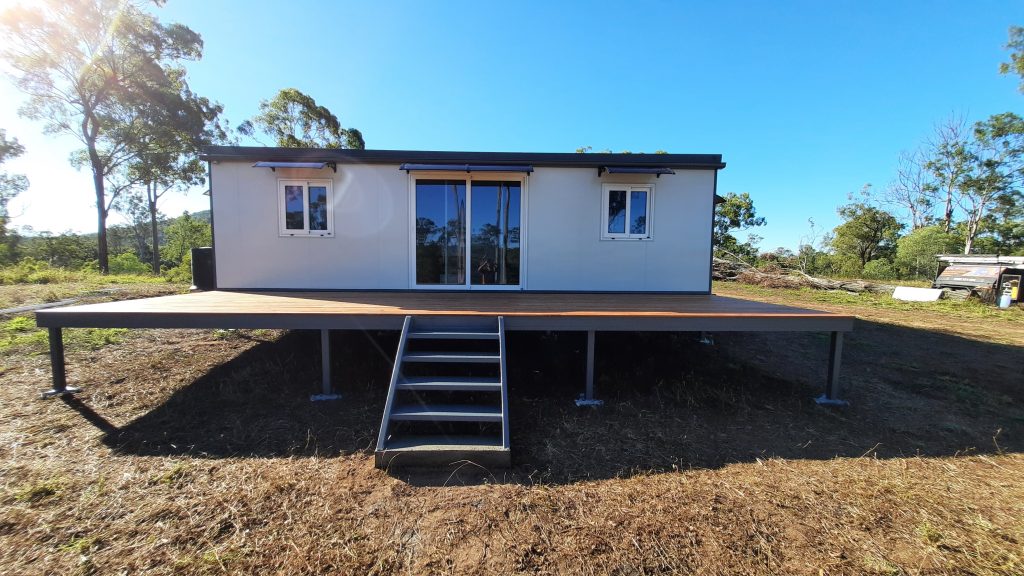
203,215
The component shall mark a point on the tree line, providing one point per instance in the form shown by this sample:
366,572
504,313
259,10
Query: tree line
111,75
959,191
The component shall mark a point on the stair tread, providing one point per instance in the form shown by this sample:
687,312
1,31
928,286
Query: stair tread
452,356
412,442
442,412
479,383
454,334
456,379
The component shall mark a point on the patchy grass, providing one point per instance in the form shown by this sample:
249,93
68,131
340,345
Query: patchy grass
97,289
32,493
20,335
198,452
30,271
969,308
968,318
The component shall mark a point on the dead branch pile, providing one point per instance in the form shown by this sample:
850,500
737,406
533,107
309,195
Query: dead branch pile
778,277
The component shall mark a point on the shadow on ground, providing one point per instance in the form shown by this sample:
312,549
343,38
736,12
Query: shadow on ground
671,402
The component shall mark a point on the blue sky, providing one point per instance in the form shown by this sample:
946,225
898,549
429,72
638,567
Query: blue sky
807,101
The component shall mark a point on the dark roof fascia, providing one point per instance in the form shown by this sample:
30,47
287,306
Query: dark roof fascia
551,159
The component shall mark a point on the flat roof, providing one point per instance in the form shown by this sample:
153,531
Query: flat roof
555,159
387,310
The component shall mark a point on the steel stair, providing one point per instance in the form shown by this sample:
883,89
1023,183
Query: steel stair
448,398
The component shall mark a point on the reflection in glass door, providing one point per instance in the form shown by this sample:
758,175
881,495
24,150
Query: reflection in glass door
441,232
470,240
495,247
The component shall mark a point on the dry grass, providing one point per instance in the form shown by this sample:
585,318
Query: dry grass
197,452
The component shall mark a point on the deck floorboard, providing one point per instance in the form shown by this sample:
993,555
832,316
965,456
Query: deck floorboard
522,310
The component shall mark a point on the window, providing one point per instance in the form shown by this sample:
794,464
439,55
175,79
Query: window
305,207
626,211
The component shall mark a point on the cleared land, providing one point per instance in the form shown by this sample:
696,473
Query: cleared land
199,452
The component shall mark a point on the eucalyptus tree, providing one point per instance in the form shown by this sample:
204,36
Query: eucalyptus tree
10,186
166,155
1015,45
294,120
735,212
867,233
949,163
913,189
87,66
997,173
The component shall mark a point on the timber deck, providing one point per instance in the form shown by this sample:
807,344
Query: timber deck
387,310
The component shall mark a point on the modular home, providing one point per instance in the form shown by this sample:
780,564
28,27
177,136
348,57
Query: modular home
404,220
454,249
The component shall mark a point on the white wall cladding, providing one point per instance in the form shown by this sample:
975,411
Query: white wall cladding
566,251
369,249
371,245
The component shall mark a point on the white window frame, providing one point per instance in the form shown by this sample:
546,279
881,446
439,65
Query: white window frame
469,177
305,232
629,188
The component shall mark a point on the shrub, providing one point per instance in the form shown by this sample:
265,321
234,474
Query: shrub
182,272
32,271
915,252
880,269
128,263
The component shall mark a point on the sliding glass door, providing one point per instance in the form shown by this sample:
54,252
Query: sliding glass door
468,233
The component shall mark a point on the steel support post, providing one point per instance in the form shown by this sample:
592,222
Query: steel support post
587,399
57,369
327,392
835,356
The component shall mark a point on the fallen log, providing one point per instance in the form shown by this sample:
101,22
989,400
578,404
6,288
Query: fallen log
738,271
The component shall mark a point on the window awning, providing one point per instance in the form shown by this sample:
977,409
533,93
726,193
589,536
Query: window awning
656,170
467,167
316,165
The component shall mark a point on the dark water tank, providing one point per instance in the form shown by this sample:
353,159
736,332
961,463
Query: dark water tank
203,277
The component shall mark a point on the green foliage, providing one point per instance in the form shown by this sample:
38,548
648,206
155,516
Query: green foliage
294,120
736,212
106,73
1002,229
182,272
867,233
10,184
915,252
128,263
183,235
1016,63
880,269
31,271
66,250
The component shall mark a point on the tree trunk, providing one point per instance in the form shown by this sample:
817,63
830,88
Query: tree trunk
947,220
154,228
90,131
972,231
101,214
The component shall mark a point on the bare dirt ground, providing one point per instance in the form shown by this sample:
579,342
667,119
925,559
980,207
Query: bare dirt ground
198,452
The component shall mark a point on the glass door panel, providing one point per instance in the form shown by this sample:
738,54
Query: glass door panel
494,253
441,232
